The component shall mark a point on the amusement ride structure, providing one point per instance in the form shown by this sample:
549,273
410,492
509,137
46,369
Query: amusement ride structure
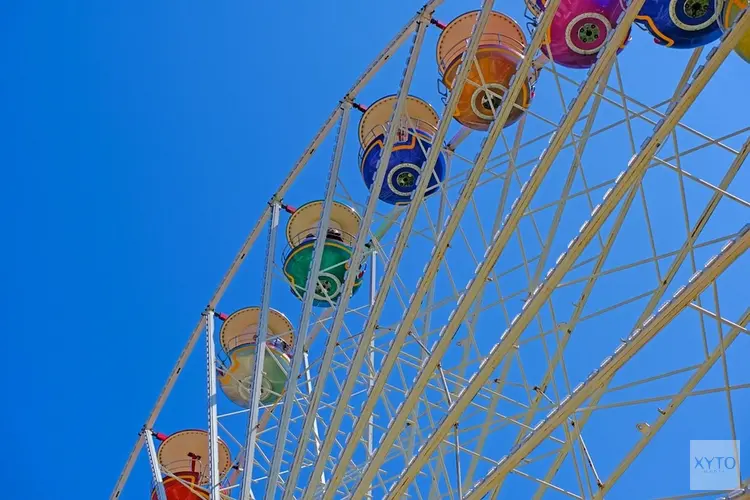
415,333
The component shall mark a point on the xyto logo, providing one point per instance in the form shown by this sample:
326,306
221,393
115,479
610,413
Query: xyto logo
715,464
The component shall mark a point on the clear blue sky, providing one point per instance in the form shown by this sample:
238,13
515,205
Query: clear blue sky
141,140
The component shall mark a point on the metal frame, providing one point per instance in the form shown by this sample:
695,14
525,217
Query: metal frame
214,485
304,324
475,395
373,371
260,356
154,462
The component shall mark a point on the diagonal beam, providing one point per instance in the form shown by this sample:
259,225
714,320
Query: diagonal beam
252,419
574,167
609,367
673,405
626,180
546,379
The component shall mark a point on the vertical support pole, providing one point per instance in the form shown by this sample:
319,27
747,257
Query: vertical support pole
154,461
308,382
373,293
260,353
312,280
214,481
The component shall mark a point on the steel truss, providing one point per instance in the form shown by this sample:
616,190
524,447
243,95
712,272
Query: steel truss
399,396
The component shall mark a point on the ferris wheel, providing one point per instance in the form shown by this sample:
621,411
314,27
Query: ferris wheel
528,280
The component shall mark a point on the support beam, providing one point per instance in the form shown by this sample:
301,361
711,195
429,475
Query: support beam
673,405
495,398
290,391
251,435
609,367
214,480
308,383
153,460
624,183
373,372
